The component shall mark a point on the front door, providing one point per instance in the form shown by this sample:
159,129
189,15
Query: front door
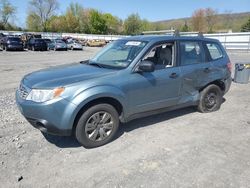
159,89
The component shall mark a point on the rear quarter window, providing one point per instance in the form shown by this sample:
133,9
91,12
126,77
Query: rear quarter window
214,50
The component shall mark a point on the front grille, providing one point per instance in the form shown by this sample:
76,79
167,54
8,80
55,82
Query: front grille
23,91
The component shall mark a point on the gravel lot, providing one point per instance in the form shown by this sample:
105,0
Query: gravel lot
182,148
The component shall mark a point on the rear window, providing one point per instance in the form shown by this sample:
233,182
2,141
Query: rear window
14,39
191,53
214,51
39,41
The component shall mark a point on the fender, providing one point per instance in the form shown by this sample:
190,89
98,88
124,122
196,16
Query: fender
90,94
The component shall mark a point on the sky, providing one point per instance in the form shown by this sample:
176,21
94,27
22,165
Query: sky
152,10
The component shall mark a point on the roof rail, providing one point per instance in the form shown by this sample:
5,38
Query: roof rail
175,33
158,32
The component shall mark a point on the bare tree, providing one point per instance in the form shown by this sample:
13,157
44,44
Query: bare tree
44,9
6,11
199,20
228,19
211,18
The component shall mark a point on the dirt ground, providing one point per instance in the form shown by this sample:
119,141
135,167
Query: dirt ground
182,148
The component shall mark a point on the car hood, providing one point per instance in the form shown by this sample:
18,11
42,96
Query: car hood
64,75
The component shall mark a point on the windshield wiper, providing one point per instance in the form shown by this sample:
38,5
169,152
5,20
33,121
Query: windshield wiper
95,64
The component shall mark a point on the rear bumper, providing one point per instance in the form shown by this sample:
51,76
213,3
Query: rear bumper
15,47
227,83
40,47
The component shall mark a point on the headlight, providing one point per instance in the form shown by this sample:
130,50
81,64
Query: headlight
43,95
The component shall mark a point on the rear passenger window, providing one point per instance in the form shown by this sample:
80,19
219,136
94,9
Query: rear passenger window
191,53
214,50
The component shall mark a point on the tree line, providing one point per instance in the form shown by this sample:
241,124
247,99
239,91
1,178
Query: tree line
42,16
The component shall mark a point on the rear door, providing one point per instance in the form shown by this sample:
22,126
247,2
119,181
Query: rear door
217,59
195,69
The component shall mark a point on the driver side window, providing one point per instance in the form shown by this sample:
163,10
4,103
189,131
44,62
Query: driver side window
162,56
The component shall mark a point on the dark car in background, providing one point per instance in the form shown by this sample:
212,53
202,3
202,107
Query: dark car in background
11,43
37,44
57,44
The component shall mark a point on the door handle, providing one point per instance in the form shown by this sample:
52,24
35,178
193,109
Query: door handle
207,70
173,75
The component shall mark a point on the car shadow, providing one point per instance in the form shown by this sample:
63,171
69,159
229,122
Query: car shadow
62,141
151,120
71,142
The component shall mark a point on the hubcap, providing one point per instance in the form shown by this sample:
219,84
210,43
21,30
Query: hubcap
210,100
99,126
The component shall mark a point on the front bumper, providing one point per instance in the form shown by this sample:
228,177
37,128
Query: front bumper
49,117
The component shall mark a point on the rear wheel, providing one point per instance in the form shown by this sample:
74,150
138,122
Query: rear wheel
97,126
210,99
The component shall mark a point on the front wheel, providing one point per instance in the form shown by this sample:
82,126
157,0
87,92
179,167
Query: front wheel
97,126
210,99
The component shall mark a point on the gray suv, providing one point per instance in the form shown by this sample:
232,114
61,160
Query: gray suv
130,78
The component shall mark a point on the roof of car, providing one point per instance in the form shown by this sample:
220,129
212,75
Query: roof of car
157,38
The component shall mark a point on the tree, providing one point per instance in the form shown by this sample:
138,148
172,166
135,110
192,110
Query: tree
133,25
57,24
246,27
97,23
114,24
44,10
33,22
185,28
199,20
228,20
211,18
6,11
72,22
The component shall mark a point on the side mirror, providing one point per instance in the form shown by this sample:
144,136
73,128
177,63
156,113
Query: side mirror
146,66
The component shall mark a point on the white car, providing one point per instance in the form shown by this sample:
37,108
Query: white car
74,45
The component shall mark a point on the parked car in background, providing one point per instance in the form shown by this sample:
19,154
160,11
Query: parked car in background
57,44
25,37
37,44
11,43
83,42
74,45
96,43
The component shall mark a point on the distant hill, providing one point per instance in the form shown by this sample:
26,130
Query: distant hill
225,22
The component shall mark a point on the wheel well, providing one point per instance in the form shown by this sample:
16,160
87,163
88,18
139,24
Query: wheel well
107,100
219,83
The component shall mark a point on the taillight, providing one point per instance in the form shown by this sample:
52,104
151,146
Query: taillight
229,66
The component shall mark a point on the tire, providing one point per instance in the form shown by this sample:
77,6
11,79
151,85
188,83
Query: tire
72,48
97,133
33,48
210,99
54,49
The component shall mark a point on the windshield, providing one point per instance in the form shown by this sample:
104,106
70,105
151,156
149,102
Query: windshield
118,54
